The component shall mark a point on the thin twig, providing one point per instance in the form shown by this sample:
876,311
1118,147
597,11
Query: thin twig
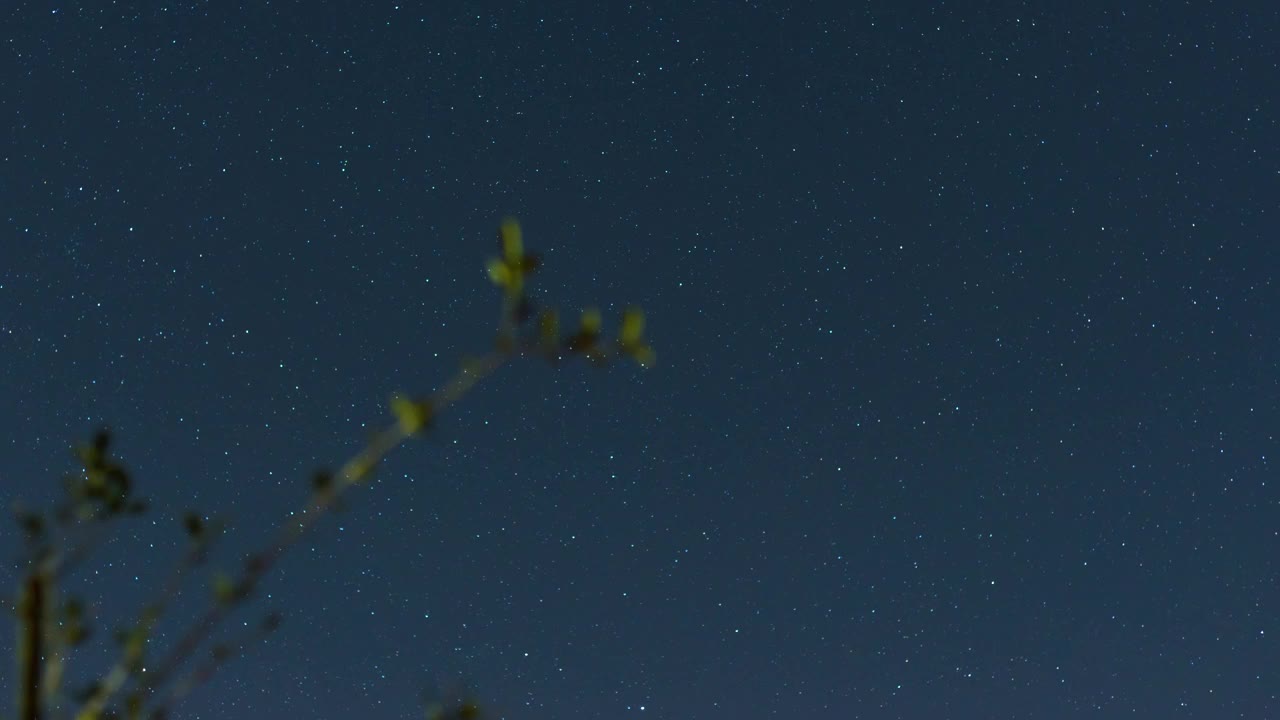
354,471
206,670
31,644
412,417
119,674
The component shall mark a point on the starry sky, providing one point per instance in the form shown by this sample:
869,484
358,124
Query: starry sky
966,399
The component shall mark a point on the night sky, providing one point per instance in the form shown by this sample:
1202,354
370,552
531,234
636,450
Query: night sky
966,401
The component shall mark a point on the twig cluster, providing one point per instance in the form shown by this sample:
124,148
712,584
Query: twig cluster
49,627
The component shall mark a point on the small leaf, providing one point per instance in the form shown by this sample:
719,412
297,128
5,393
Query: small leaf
645,356
412,415
591,321
224,588
509,270
631,338
498,272
512,238
632,326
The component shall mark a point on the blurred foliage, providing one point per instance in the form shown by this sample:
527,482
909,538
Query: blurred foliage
101,493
